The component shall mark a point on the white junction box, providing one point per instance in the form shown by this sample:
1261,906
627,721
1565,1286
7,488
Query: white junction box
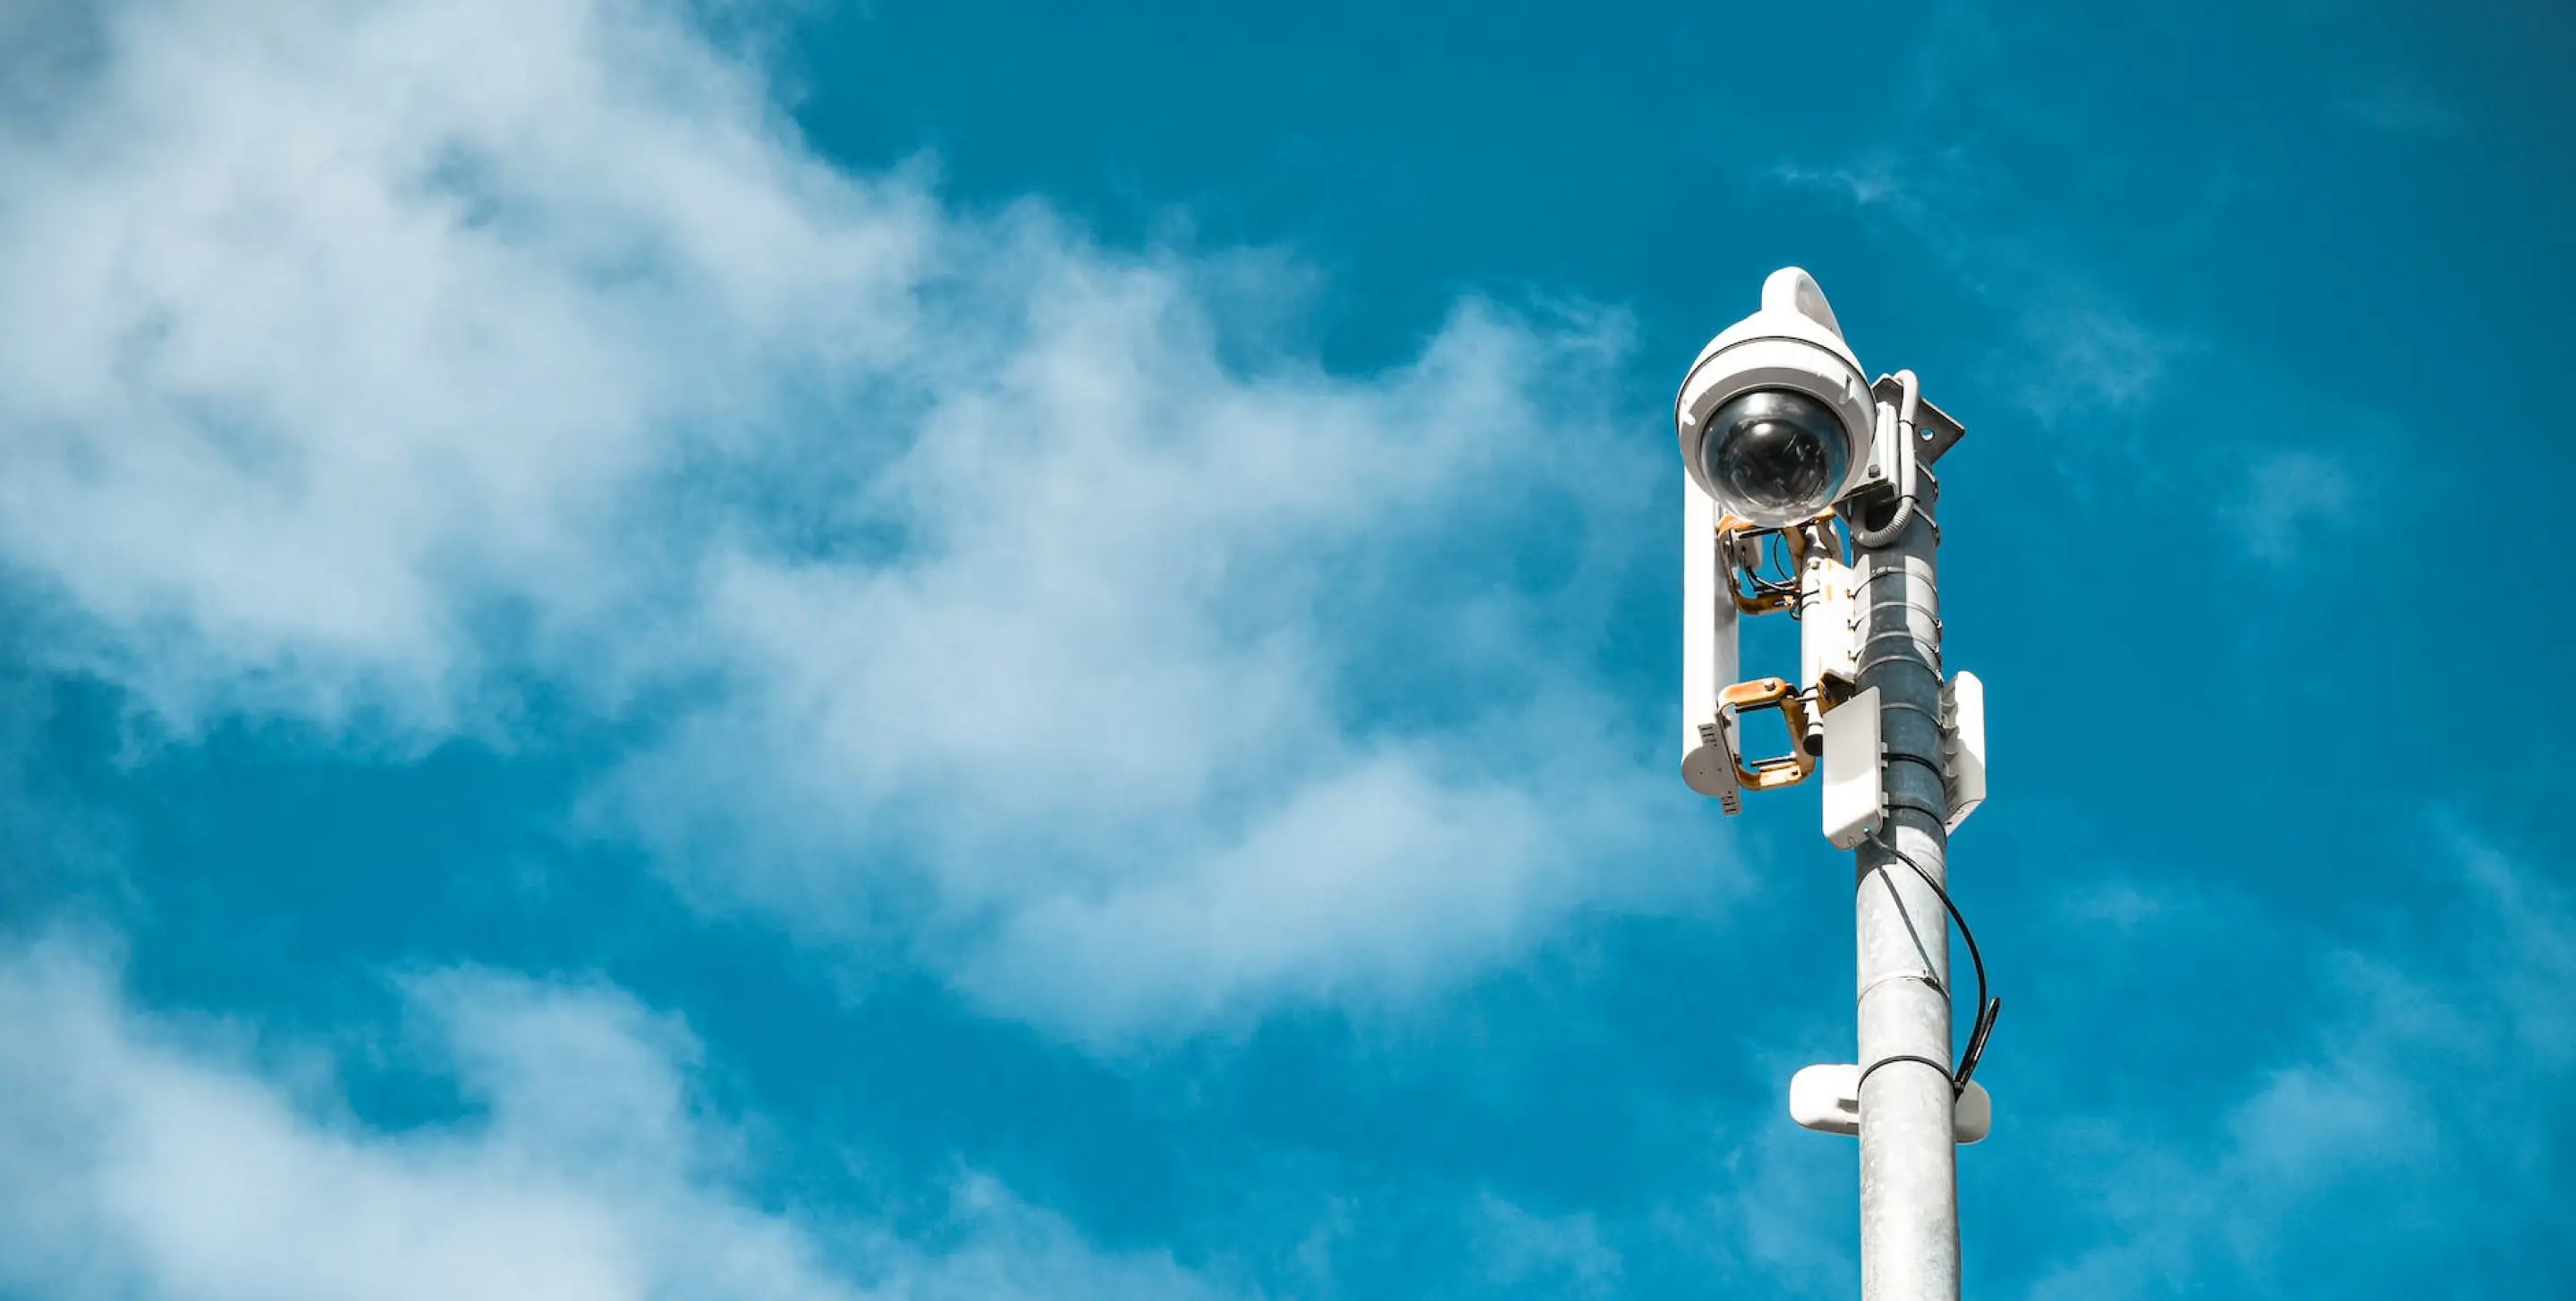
1828,623
1855,796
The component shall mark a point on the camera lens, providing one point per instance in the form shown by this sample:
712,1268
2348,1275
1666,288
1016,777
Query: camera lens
1777,452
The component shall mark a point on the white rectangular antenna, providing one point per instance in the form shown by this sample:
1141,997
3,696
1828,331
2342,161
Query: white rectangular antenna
1855,791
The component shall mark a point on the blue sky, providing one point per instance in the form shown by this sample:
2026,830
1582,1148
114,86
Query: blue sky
971,651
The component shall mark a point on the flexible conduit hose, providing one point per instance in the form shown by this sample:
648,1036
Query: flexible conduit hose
1909,408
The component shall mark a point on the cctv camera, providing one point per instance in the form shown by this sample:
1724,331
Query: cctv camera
1776,421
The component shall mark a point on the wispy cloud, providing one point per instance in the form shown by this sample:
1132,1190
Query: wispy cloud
2104,386
2293,498
1787,1216
2087,358
1874,181
2411,1098
2078,348
2405,108
1565,1253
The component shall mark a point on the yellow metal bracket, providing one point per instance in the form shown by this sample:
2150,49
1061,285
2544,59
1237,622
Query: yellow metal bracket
1772,693
1771,604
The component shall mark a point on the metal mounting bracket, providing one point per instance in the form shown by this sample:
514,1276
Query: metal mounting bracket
1935,431
1710,768
1771,693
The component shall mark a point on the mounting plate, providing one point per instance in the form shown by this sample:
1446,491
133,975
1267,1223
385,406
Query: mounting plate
1934,430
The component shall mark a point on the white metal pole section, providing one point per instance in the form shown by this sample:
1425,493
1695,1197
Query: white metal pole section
1909,1186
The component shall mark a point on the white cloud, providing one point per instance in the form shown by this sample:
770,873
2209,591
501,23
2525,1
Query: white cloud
2293,498
1873,181
326,321
374,365
2082,355
2403,107
1562,1252
2120,904
142,1157
1790,1215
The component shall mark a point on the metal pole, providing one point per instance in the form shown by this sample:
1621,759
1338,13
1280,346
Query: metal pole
1909,1187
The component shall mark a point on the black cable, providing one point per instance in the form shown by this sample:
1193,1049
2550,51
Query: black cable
1987,1007
1771,548
1787,582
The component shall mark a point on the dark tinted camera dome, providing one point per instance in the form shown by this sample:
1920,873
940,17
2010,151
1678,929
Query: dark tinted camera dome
1775,456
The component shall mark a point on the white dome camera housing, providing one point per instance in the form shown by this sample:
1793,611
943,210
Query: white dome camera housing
1776,418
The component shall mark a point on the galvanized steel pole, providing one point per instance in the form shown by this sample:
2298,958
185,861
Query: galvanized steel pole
1909,1187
